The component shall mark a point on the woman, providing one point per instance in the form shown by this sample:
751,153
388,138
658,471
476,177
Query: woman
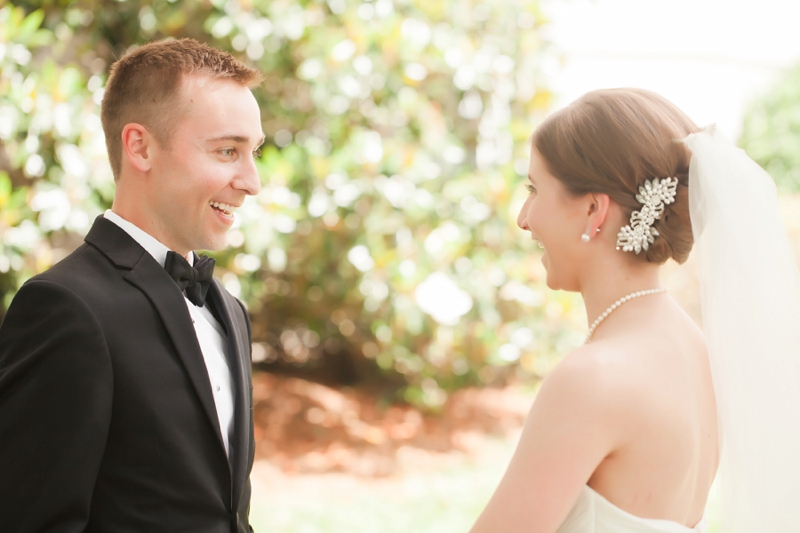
624,435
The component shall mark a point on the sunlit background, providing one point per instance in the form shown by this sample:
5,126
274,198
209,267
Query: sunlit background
401,323
709,57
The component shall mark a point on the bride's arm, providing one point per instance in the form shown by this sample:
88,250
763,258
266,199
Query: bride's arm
571,427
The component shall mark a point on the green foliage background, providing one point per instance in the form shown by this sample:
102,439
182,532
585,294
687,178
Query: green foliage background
396,140
771,131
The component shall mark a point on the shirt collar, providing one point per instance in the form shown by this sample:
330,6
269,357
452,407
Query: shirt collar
153,246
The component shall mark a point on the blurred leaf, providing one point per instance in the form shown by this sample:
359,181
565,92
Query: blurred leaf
5,189
29,26
69,84
771,131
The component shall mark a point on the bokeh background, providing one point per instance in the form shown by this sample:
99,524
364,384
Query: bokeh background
400,319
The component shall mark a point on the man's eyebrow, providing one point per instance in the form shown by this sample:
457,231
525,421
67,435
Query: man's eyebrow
235,138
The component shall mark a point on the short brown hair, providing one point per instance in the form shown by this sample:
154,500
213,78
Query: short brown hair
143,87
610,141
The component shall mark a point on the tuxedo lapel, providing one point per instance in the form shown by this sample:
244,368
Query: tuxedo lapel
235,323
166,297
149,277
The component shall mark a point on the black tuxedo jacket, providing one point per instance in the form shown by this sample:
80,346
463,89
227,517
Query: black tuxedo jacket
107,418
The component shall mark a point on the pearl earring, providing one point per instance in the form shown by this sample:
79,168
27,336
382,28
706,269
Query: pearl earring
586,238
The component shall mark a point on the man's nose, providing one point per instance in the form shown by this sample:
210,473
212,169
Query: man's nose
248,179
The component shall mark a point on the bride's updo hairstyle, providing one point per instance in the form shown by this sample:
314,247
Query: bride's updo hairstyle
610,141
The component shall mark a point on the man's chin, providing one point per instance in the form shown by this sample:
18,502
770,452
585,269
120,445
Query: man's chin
212,243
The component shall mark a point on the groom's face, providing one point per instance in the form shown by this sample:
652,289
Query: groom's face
208,166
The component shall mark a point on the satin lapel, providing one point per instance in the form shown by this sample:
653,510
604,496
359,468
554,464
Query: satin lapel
239,350
162,291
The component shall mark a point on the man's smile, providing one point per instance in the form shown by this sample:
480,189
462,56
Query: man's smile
226,209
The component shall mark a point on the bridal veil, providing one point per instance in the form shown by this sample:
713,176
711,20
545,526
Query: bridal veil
750,300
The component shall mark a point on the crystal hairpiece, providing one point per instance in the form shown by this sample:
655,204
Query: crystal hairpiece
640,233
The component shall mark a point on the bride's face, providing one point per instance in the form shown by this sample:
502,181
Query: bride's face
556,219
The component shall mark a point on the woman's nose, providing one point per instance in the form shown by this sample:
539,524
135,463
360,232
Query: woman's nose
522,220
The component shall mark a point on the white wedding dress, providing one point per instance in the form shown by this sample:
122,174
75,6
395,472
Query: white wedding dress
592,513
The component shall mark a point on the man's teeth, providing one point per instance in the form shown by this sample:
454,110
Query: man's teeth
225,208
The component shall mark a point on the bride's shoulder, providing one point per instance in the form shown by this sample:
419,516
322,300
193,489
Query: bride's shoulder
597,378
597,365
582,411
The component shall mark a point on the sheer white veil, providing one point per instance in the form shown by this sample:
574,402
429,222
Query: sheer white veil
750,300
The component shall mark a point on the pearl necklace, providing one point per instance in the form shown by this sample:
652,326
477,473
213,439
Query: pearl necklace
616,304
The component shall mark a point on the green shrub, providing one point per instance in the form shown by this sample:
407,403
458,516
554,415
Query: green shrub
396,140
771,131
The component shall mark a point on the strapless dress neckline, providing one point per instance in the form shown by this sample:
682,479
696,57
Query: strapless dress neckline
593,513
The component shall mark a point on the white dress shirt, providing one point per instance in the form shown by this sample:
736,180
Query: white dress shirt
210,334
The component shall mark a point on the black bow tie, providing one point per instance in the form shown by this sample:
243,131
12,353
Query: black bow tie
192,279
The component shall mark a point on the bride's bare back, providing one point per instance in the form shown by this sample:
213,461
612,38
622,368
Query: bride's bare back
666,455
632,414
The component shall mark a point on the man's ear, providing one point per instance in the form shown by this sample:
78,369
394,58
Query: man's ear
137,144
597,210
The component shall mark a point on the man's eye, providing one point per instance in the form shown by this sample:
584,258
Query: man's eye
531,188
228,152
257,153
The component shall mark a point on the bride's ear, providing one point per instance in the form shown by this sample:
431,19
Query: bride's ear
597,210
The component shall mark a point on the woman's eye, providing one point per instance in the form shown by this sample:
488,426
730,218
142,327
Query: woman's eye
257,153
227,152
531,188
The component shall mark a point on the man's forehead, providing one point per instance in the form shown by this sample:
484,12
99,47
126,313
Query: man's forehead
192,82
219,109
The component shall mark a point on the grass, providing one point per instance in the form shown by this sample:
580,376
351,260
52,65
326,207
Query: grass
434,493
441,493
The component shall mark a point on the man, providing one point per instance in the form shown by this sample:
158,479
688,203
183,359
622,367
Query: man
125,397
